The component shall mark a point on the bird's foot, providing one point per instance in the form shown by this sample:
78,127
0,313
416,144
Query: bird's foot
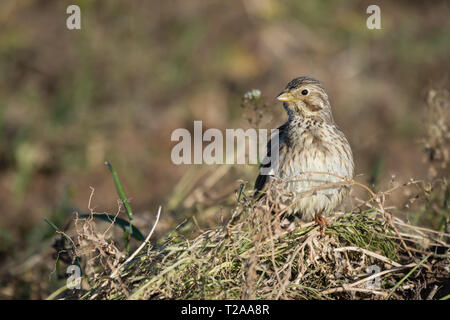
322,222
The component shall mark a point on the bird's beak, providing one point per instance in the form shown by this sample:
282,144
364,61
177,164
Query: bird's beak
285,96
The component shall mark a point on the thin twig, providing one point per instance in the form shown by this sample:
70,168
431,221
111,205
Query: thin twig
379,274
369,253
433,292
346,288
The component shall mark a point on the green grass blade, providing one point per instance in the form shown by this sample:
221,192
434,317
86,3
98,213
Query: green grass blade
122,195
51,224
407,276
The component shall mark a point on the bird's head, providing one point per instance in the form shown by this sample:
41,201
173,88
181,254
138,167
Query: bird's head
305,97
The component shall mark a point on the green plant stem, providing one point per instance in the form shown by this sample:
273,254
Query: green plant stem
121,194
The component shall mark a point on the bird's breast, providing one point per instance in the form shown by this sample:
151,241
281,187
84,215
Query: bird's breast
310,152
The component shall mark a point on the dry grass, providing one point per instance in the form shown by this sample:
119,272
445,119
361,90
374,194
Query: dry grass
258,254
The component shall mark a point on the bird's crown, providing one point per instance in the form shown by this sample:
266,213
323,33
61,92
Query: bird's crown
300,81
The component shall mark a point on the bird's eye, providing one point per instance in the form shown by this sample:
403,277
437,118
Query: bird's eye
304,92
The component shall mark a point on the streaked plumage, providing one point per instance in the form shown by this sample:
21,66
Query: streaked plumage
310,141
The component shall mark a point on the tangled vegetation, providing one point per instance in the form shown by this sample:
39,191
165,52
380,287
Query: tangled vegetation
259,255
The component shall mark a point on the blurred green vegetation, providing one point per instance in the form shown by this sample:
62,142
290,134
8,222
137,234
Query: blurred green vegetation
136,71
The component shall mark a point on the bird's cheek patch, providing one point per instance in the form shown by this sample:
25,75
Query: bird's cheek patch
312,106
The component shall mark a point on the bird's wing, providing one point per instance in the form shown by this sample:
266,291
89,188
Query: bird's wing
263,179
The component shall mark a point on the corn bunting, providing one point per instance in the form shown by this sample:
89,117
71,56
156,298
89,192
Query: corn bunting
314,154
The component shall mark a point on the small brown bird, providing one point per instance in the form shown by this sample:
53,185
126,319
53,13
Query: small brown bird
310,141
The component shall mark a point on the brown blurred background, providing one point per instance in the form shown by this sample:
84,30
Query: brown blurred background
116,89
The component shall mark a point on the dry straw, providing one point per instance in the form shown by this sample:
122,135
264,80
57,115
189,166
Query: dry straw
258,254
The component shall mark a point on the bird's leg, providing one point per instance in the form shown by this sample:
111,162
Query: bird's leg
322,222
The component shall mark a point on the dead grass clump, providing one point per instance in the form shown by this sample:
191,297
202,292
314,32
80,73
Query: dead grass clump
257,255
